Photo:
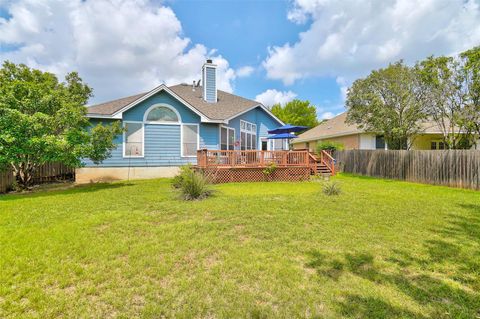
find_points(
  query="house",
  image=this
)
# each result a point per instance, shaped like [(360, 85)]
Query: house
[(165, 127), (353, 137)]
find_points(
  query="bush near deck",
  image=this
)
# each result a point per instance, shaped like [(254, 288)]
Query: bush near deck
[(260, 250)]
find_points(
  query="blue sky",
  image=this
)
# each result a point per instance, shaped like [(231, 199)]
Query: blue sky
[(242, 31), (273, 51)]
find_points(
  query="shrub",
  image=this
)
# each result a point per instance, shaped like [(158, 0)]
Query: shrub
[(331, 189), (195, 185), (269, 170), (329, 146), (178, 179)]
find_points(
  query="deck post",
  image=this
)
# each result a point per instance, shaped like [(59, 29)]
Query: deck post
[(202, 158)]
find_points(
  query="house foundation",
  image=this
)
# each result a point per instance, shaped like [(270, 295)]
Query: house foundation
[(107, 174)]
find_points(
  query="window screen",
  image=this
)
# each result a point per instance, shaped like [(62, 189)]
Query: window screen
[(227, 138), (190, 140), (379, 142), (162, 114), (133, 139)]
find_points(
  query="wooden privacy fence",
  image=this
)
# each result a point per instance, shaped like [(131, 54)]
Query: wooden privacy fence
[(46, 173), (456, 168)]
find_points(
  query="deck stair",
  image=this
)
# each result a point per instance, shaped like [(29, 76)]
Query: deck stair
[(322, 164)]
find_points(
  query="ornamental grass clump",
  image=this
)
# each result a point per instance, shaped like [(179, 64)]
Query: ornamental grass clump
[(192, 185), (331, 189), (195, 186), (178, 179)]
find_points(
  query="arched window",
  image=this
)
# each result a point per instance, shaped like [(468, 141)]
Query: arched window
[(162, 114)]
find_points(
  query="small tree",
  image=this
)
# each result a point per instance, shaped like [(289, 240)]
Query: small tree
[(297, 112), (388, 102), (471, 71), (445, 98), (43, 120)]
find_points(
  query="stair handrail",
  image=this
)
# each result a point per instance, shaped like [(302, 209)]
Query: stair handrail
[(312, 160), (328, 160)]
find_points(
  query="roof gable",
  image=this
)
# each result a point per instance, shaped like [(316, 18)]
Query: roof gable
[(227, 105)]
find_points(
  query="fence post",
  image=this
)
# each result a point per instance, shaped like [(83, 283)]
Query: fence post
[(455, 168)]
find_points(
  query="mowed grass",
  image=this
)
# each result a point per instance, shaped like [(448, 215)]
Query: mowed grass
[(381, 249)]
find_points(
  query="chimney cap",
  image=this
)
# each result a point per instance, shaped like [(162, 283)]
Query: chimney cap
[(209, 61)]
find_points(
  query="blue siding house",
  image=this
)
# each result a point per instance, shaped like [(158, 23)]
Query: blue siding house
[(165, 127)]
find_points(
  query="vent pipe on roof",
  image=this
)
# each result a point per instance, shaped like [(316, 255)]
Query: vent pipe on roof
[(209, 80)]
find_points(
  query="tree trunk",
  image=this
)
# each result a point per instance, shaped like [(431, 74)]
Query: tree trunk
[(23, 173)]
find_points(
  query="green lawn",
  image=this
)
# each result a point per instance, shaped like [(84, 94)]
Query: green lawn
[(258, 250)]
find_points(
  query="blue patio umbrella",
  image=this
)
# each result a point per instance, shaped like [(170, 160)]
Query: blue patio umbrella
[(282, 136), (287, 128)]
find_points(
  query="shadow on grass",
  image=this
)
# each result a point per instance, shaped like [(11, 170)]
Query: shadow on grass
[(367, 177), (73, 189), (371, 307), (444, 280)]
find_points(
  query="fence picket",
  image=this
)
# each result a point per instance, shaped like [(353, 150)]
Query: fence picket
[(49, 172), (456, 168)]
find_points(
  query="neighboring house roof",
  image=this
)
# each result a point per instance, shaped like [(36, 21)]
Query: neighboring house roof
[(430, 127), (337, 127), (331, 128), (227, 105)]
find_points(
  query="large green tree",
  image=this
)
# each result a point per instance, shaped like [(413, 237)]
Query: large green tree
[(388, 102), (297, 112), (470, 61), (43, 120), (445, 99)]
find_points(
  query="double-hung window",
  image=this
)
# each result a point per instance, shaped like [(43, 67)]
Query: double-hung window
[(437, 145), (133, 139), (189, 140), (248, 135), (227, 138)]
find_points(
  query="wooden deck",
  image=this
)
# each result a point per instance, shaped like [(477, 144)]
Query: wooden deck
[(241, 166)]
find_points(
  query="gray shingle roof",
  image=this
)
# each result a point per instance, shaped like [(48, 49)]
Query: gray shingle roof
[(108, 108), (228, 105), (336, 126)]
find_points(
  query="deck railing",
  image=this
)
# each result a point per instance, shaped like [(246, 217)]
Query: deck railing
[(327, 159), (252, 158)]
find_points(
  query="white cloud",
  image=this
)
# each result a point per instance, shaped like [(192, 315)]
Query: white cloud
[(272, 96), (343, 84), (244, 71), (347, 39), (326, 115), (119, 47)]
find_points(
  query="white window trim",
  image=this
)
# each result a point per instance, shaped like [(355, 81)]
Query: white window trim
[(181, 138), (437, 144), (251, 132), (145, 115), (143, 140), (220, 137), (247, 122)]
